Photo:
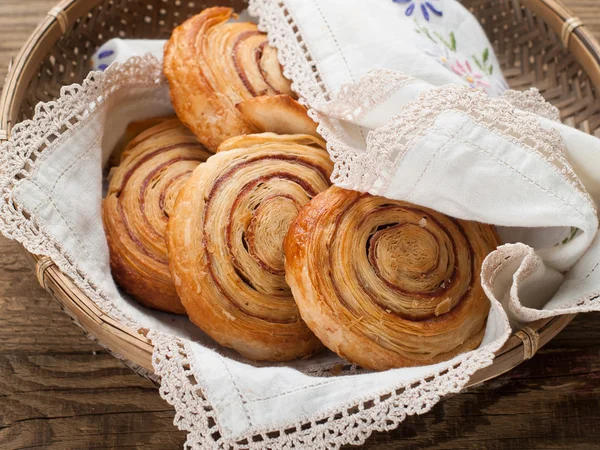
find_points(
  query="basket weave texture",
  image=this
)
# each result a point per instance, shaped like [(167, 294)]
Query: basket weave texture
[(538, 43)]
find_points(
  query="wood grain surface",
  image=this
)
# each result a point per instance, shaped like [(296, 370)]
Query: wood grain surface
[(59, 390)]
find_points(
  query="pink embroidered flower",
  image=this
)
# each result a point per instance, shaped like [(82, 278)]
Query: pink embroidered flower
[(464, 70)]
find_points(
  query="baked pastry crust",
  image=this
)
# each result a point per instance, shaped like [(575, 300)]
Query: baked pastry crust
[(225, 241), (279, 114), (141, 195), (212, 65), (133, 130), (386, 283)]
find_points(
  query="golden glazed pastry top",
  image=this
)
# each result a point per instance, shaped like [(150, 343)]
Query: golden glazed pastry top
[(212, 65), (141, 195), (386, 283), (225, 242)]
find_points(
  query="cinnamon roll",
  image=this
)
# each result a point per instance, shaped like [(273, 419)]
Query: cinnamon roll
[(133, 130), (387, 283), (225, 242), (212, 65), (141, 195)]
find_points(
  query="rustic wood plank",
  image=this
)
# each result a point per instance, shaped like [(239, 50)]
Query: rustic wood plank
[(588, 11), (58, 390), (52, 396), (17, 20), (24, 305)]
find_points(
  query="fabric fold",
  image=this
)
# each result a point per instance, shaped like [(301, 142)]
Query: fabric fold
[(459, 151), (433, 125)]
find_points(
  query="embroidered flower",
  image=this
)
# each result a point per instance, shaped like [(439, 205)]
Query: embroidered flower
[(426, 6), (464, 70), (439, 52)]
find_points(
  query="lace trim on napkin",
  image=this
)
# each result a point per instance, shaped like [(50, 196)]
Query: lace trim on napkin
[(532, 101), (29, 140), (351, 424), (387, 145), (356, 100), (294, 55), (283, 33), (363, 96), (529, 264), (172, 360)]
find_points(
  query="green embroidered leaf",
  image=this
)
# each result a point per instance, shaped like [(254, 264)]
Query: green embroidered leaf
[(491, 69), (571, 235), (424, 30), (452, 41), (486, 55), (451, 46), (478, 63)]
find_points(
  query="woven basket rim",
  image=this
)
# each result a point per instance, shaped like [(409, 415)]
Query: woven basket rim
[(134, 348)]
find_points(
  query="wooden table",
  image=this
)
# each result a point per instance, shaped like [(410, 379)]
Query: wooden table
[(58, 390)]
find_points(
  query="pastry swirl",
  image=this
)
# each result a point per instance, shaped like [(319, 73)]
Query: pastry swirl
[(141, 196), (386, 283), (212, 65), (225, 241)]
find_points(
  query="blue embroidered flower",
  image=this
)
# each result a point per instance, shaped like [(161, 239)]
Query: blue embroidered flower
[(426, 7)]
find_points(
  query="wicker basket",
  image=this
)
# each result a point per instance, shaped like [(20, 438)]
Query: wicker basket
[(538, 44)]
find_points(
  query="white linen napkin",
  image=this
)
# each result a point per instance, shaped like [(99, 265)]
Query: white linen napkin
[(391, 83), (120, 50), (396, 128)]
